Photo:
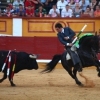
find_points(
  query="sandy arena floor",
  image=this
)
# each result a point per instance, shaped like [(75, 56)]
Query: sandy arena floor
[(58, 85)]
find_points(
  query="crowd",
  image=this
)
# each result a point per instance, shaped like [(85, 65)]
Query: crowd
[(52, 8)]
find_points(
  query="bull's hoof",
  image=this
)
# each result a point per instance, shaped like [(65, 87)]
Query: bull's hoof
[(13, 85)]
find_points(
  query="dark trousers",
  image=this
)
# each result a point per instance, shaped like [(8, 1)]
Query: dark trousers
[(75, 58)]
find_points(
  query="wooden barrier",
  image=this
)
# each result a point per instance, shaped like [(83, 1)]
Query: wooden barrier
[(46, 26), (6, 26)]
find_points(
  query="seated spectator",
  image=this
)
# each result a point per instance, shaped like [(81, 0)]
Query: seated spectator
[(88, 11), (8, 11), (93, 4), (84, 4), (45, 4), (61, 4), (97, 11), (16, 3), (77, 11), (20, 11), (72, 4), (54, 12), (31, 3), (30, 11), (40, 12), (67, 12)]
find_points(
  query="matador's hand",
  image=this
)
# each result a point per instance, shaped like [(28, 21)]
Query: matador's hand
[(70, 44), (66, 38)]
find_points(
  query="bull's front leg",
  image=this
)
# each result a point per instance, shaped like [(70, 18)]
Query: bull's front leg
[(11, 82), (4, 77)]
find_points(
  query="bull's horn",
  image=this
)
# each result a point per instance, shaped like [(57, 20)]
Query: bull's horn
[(33, 56)]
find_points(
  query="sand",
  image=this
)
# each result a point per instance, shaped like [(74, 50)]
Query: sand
[(57, 85)]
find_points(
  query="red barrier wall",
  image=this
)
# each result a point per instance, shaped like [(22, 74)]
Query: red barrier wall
[(45, 46)]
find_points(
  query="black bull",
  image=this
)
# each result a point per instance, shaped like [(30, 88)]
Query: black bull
[(22, 61)]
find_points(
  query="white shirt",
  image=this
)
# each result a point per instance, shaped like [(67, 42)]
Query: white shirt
[(62, 30), (61, 5), (53, 14), (66, 13)]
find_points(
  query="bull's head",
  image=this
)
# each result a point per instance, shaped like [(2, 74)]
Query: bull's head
[(34, 56)]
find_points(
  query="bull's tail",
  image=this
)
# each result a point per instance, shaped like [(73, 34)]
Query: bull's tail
[(51, 65)]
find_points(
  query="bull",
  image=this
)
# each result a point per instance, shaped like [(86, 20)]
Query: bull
[(12, 62)]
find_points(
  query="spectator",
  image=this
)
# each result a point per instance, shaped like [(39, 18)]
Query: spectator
[(61, 4), (93, 4), (88, 11), (72, 4), (54, 12), (84, 4), (31, 3), (8, 11), (16, 3), (20, 11), (77, 11), (97, 11), (30, 11), (45, 4), (40, 12), (10, 5), (67, 12)]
